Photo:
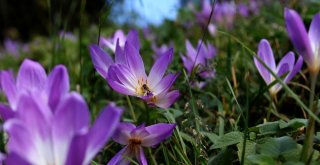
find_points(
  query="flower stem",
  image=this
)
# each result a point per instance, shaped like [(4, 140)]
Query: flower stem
[(131, 109), (307, 146)]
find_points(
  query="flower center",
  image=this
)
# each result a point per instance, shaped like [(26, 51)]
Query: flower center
[(143, 88), (134, 144)]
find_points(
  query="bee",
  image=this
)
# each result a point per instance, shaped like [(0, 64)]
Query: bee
[(146, 90)]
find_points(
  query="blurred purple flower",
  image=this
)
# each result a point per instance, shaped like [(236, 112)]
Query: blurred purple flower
[(39, 135), (212, 29), (286, 65), (224, 13), (68, 35), (111, 42), (135, 138), (32, 78), (11, 47), (158, 51), (307, 44), (204, 15), (102, 60), (191, 60), (243, 9)]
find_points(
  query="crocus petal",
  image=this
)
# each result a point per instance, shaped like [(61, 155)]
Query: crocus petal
[(120, 57), (57, 85), (266, 55), (298, 35), (187, 63), (122, 134), (9, 88), (100, 59), (158, 133), (135, 62), (286, 64), (116, 85), (34, 113), (31, 76), (295, 70), (102, 130), (121, 79), (6, 112), (314, 36), (141, 157), (159, 68), (23, 143), (133, 38), (77, 149), (139, 131), (120, 158), (191, 52), (167, 99), (165, 84), (72, 117), (13, 158)]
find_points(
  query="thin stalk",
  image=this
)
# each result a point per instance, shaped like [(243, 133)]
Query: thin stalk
[(308, 142), (83, 4), (131, 109), (152, 158)]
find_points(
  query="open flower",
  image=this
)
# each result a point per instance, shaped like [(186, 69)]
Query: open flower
[(119, 37), (38, 135), (32, 78), (129, 78), (307, 44), (286, 65), (102, 60), (135, 138), (191, 60)]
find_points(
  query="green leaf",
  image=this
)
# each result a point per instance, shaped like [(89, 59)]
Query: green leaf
[(228, 139), (294, 124), (212, 136), (261, 159), (249, 150), (268, 128)]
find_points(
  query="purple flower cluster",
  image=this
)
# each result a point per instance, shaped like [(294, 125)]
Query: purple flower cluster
[(306, 44), (199, 58), (127, 75)]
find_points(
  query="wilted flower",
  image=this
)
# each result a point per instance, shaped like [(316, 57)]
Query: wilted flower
[(102, 60), (112, 41), (192, 60), (135, 138), (32, 78), (286, 65), (41, 135), (307, 44)]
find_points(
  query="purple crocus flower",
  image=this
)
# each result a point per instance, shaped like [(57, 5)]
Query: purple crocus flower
[(307, 44), (191, 60), (112, 41), (286, 65), (102, 60), (135, 138), (39, 135), (128, 77), (224, 13), (204, 15), (127, 74), (32, 78), (243, 9)]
